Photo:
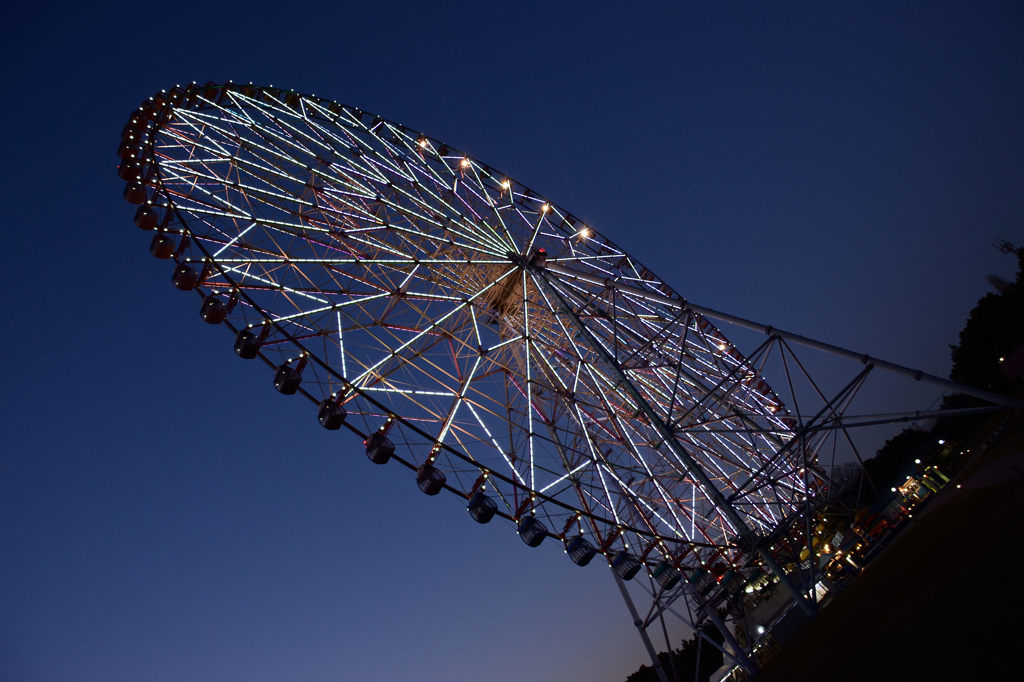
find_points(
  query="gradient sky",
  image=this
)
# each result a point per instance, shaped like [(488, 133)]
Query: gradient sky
[(166, 516)]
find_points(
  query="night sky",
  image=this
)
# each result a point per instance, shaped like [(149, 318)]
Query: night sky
[(165, 515)]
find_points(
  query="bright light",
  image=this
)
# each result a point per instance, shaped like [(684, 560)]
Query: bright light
[(958, 486), (1002, 359), (942, 442), (464, 163), (892, 489), (917, 461), (760, 629), (422, 142), (722, 346), (545, 208), (586, 232), (505, 184)]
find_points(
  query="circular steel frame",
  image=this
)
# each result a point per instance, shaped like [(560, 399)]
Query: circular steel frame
[(503, 346)]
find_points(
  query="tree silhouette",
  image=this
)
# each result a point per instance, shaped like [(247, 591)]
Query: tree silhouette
[(684, 660), (994, 330)]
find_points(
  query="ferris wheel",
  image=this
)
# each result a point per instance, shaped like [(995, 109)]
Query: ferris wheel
[(464, 326)]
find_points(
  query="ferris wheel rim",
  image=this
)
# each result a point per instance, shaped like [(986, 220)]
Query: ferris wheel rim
[(297, 343)]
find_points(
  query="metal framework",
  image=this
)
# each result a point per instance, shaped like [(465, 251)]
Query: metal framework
[(507, 351)]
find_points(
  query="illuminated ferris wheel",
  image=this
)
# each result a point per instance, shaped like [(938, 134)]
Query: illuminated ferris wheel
[(463, 325)]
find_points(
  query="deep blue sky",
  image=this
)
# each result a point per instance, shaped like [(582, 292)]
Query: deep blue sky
[(164, 515)]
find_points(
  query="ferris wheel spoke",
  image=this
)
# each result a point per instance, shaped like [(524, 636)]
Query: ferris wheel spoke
[(301, 137), (263, 158), (637, 450), (190, 185), (479, 241), (279, 153), (636, 503), (458, 228), (502, 453), (392, 161), (490, 206), (275, 133), (395, 354), (630, 493), (400, 145), (458, 402), (192, 130), (272, 193), (487, 207)]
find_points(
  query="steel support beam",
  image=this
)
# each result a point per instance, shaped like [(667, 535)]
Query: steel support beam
[(640, 627), (679, 303)]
